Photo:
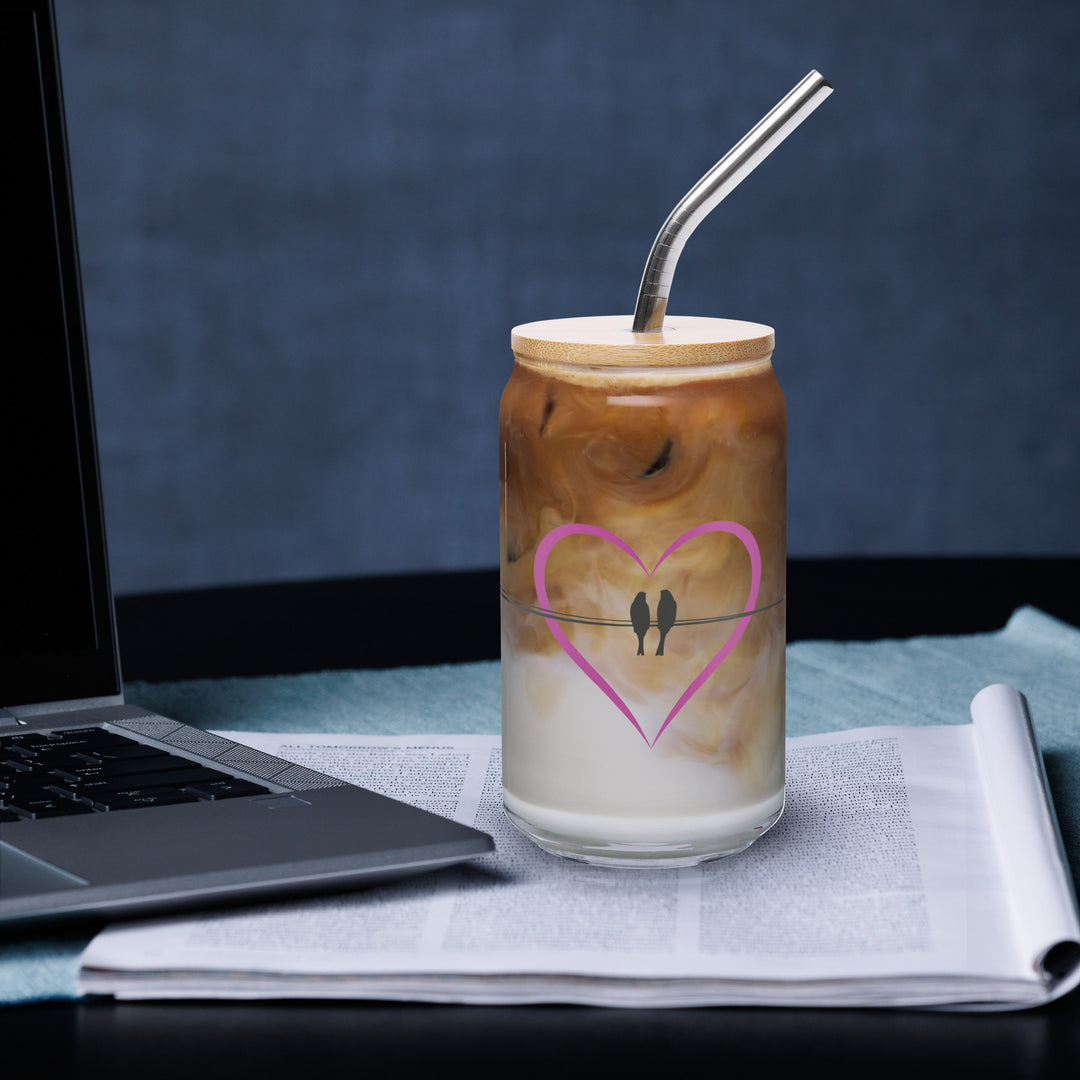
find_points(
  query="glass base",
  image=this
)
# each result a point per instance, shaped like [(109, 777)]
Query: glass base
[(643, 855)]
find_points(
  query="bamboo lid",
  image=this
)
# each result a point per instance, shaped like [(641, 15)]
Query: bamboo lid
[(609, 341)]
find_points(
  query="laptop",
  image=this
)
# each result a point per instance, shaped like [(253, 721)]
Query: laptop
[(108, 810)]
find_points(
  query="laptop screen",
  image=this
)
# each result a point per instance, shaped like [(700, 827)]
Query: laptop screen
[(56, 632)]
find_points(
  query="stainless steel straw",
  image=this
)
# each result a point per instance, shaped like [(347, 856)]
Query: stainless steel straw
[(730, 171)]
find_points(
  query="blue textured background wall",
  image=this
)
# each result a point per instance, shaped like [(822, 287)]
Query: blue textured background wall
[(307, 229)]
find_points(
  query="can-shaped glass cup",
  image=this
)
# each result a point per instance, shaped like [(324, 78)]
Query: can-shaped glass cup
[(643, 559)]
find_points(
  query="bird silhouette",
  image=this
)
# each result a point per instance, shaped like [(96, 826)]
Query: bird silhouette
[(640, 619), (665, 617)]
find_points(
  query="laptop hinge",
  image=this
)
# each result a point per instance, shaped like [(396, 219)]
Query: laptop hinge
[(70, 705)]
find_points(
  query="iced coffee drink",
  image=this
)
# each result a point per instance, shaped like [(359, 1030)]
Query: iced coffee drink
[(643, 581)]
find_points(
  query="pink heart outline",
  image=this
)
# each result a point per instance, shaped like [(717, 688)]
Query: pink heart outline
[(560, 532)]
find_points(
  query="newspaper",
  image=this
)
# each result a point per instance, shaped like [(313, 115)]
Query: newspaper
[(912, 866)]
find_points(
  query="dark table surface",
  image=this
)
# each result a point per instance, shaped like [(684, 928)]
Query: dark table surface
[(374, 622), (270, 629)]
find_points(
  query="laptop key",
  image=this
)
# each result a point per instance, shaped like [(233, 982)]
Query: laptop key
[(44, 807), (12, 765), (79, 768), (13, 752), (229, 787), (141, 797), (31, 776), (121, 753), (87, 736), (27, 743), (19, 793)]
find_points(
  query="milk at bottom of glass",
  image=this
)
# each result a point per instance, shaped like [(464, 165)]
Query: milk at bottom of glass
[(576, 773)]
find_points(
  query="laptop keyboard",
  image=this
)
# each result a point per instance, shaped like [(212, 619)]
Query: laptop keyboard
[(91, 770)]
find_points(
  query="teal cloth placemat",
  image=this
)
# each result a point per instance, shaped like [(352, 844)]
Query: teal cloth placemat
[(831, 686)]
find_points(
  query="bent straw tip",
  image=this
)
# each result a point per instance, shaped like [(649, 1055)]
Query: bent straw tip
[(702, 199)]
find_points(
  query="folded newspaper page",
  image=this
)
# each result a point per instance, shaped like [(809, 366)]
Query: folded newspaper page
[(912, 866)]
